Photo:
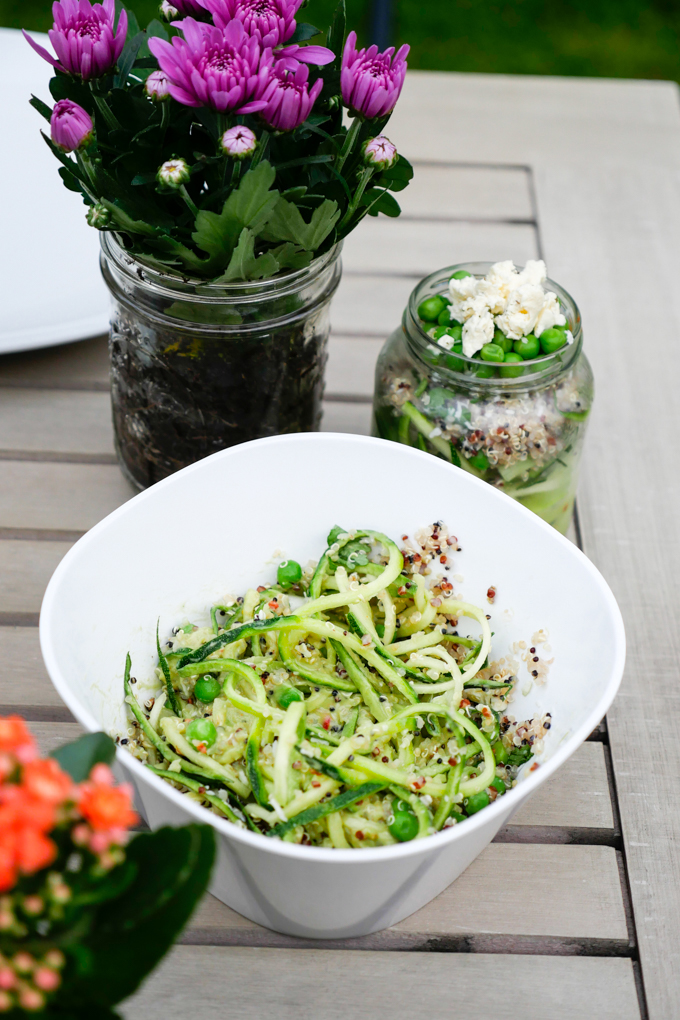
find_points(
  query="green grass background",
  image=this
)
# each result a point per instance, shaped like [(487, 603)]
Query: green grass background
[(612, 38)]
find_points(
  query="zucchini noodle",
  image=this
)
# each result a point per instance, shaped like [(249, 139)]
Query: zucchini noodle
[(356, 717)]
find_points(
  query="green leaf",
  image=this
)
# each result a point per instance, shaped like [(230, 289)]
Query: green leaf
[(336, 33), (127, 58), (69, 180), (126, 222), (41, 107), (397, 177), (243, 264), (80, 757), (292, 256), (131, 934), (287, 224), (250, 206), (70, 164), (303, 32), (381, 202)]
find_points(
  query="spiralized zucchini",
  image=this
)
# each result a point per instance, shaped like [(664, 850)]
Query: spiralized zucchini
[(342, 710)]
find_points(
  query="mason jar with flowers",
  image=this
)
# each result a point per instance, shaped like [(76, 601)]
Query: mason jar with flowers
[(214, 156)]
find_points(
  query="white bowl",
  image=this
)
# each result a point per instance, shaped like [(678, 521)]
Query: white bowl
[(212, 529)]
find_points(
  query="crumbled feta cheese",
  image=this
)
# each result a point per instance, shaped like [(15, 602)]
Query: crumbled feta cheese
[(477, 331), (549, 315)]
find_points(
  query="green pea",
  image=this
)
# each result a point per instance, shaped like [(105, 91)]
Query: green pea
[(527, 347), (512, 367), (480, 461), (476, 802), (285, 696), (460, 274), (491, 352), (552, 340), (431, 308), (499, 785), (207, 688), (202, 730), (405, 824), (456, 331), (500, 752), (486, 372), (289, 573), (441, 331), (503, 341), (453, 813), (444, 319), (452, 362)]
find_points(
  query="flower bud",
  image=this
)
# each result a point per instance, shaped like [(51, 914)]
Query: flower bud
[(98, 216), (31, 999), (54, 958), (173, 173), (379, 153), (47, 980), (33, 905), (238, 142), (167, 11), (71, 126), (157, 87), (6, 1002)]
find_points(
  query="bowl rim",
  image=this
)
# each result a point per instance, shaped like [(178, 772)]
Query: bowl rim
[(502, 806)]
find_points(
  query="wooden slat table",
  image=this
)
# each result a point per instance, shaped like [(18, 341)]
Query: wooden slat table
[(573, 910)]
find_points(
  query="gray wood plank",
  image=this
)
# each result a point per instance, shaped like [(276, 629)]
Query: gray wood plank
[(351, 365), (549, 897), (25, 686), (256, 983), (81, 365), (346, 417), (445, 190), (50, 736), (25, 569), (62, 421), (59, 496), (579, 790), (411, 246)]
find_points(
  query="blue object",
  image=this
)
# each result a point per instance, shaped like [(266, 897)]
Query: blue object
[(381, 23)]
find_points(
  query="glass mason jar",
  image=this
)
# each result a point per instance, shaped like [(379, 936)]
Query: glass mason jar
[(197, 367), (524, 434)]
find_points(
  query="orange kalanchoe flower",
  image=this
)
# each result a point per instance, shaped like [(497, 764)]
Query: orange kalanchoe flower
[(16, 744), (105, 806), (45, 780)]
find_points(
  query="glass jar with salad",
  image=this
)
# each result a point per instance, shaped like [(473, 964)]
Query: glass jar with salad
[(487, 371)]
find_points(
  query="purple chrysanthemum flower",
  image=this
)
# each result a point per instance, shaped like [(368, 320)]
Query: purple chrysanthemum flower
[(372, 81), (239, 142), (71, 127), (292, 100), (225, 70), (84, 38), (273, 23), (189, 8), (157, 86), (380, 153)]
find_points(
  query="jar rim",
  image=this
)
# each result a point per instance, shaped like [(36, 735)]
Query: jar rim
[(547, 365), (195, 289)]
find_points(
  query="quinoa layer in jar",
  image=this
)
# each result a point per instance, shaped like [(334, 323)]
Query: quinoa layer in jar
[(515, 420)]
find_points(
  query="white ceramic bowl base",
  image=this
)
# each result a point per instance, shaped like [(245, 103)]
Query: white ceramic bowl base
[(212, 529)]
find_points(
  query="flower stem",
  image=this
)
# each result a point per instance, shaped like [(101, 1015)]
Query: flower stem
[(188, 199), (358, 195), (260, 151), (354, 130), (106, 112), (86, 164), (165, 116)]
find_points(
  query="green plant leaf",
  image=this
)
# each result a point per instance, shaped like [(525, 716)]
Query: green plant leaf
[(126, 222), (69, 180), (397, 177), (131, 934), (287, 224), (250, 205), (292, 256), (70, 164), (79, 757), (128, 57), (42, 108), (244, 265), (303, 32), (381, 202), (336, 33)]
